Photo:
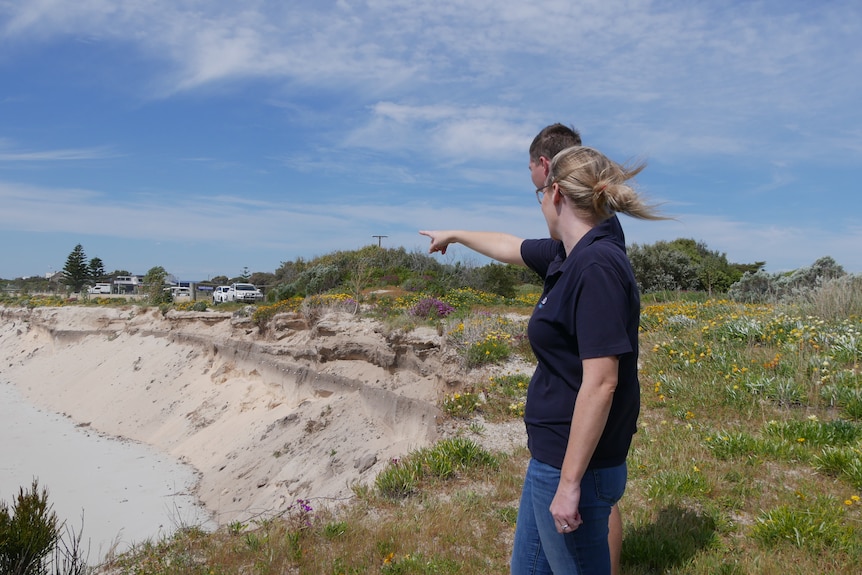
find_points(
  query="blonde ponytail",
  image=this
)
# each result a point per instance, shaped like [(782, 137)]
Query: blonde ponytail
[(598, 186)]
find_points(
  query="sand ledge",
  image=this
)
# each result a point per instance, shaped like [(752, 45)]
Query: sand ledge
[(301, 411)]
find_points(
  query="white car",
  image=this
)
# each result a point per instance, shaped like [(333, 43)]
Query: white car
[(220, 294), (178, 293), (243, 292), (181, 293)]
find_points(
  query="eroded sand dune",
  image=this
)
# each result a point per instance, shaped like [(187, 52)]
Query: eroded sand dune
[(299, 411)]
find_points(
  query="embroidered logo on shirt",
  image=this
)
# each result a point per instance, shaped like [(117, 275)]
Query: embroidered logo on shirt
[(543, 302)]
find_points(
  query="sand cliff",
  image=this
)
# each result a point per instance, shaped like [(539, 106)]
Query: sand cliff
[(298, 411)]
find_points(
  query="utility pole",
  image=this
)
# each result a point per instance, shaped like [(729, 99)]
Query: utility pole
[(379, 239)]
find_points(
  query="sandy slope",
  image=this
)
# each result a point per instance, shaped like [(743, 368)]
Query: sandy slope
[(297, 412)]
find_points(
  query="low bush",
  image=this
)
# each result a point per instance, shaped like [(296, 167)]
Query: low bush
[(30, 542)]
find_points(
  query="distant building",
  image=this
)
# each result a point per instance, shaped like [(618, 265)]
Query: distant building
[(128, 284)]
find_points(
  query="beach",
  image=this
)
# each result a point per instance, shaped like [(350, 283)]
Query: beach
[(113, 492), (297, 410)]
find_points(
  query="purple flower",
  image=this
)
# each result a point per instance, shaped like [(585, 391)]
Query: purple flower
[(431, 307)]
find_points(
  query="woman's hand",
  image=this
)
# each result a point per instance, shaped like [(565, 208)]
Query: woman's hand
[(564, 507), (504, 248), (440, 240)]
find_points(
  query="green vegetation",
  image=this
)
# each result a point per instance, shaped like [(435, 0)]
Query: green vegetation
[(30, 538), (76, 273), (442, 462), (684, 264), (748, 456), (748, 459)]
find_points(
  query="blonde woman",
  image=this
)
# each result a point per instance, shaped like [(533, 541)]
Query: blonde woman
[(584, 397)]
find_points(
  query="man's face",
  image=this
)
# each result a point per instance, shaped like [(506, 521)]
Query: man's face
[(539, 171)]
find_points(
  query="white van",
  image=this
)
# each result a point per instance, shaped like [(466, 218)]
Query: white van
[(99, 288)]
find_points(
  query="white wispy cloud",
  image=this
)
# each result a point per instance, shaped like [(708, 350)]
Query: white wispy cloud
[(451, 134), (10, 154), (695, 65)]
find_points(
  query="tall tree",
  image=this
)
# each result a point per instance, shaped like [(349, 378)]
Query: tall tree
[(683, 264), (76, 272), (97, 269)]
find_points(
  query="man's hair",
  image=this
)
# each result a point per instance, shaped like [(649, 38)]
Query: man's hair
[(552, 140)]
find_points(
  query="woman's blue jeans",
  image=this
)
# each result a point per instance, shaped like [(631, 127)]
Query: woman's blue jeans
[(539, 549)]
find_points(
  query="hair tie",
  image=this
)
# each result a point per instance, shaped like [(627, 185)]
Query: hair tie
[(601, 187)]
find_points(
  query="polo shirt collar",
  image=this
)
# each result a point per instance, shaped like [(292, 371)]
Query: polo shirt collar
[(561, 262)]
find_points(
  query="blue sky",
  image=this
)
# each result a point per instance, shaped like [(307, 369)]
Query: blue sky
[(211, 136)]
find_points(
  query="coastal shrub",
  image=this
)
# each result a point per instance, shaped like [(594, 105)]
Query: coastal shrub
[(799, 285), (660, 267), (314, 307), (835, 299), (418, 284), (154, 282), (264, 313), (317, 279), (683, 264), (431, 308), (464, 298), (29, 534), (499, 279)]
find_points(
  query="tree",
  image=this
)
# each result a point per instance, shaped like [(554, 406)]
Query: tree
[(498, 279), (684, 264), (711, 274), (289, 271), (713, 270), (154, 285), (748, 268), (97, 269), (660, 267), (262, 279), (76, 272)]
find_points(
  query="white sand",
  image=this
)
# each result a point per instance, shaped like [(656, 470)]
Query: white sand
[(297, 412), (113, 492)]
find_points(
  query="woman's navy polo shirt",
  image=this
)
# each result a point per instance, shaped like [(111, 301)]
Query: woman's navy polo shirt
[(589, 308)]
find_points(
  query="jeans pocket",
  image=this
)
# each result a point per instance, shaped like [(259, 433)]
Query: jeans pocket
[(610, 483)]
